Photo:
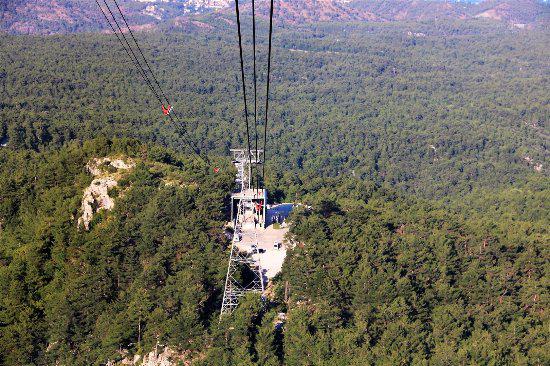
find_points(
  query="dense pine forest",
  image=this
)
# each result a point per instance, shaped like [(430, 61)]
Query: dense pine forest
[(418, 153), (443, 110)]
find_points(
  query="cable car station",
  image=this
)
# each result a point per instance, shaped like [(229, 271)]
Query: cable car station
[(257, 246)]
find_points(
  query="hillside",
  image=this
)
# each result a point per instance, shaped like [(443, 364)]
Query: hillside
[(308, 11), (528, 12), (380, 280), (520, 13), (67, 16), (48, 16), (411, 10), (460, 282), (432, 109), (150, 265)]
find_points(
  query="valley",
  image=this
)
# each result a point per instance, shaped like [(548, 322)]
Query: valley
[(472, 93), (396, 215)]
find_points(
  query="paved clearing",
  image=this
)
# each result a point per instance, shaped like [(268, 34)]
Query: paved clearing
[(271, 259)]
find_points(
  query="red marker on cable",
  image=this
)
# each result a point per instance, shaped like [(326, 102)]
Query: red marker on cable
[(166, 111)]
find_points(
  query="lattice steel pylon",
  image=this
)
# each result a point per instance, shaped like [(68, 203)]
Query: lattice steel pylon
[(246, 200), (234, 289), (243, 162)]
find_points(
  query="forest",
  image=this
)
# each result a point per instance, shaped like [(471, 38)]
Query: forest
[(154, 263), (376, 277), (421, 237), (438, 112)]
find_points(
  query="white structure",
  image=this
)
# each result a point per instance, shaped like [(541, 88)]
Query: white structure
[(247, 212), (253, 248)]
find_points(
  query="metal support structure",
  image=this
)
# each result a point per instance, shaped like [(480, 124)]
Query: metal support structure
[(243, 162), (244, 209), (245, 192), (234, 289)]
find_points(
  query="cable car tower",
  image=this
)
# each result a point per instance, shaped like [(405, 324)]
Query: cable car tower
[(244, 273), (248, 204), (246, 196)]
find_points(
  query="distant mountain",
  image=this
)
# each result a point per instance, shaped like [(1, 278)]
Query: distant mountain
[(300, 11), (48, 16), (66, 16), (526, 12), (513, 11), (398, 10), (510, 11)]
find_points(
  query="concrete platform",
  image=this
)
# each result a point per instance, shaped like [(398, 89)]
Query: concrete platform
[(250, 194), (271, 259)]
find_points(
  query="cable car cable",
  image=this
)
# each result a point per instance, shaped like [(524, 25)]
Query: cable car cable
[(243, 80), (180, 124), (136, 62), (189, 142), (133, 59), (267, 91), (141, 52), (255, 91), (144, 74), (178, 119)]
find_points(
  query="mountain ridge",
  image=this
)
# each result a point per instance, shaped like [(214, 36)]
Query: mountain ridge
[(70, 16)]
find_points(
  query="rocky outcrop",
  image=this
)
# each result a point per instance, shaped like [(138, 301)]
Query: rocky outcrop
[(107, 171), (536, 166), (166, 356), (162, 359)]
